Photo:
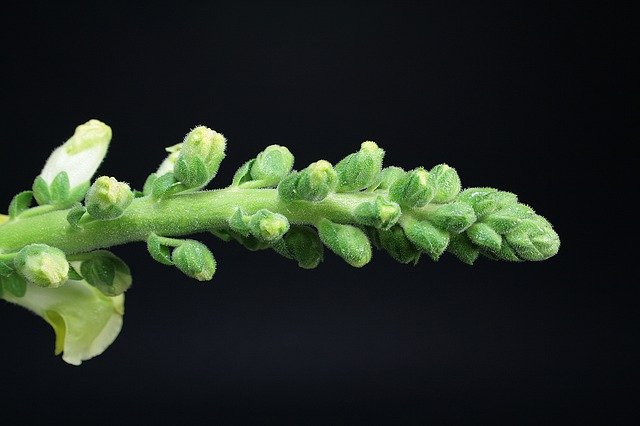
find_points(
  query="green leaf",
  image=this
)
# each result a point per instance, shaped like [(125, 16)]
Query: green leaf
[(41, 191), (20, 203), (106, 272), (73, 274), (77, 194), (5, 269), (147, 188), (60, 189), (159, 251), (242, 175), (75, 214), (14, 284), (239, 222), (162, 184)]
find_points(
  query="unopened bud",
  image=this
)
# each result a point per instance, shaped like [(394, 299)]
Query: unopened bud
[(413, 189), (272, 165), (359, 170), (195, 260), (426, 237), (484, 236), (380, 213), (108, 198), (200, 156), (347, 241), (268, 226), (454, 217), (303, 245), (43, 265), (446, 182), (396, 243), (314, 183)]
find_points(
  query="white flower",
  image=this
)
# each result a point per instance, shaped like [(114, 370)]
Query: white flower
[(85, 321), (169, 163), (81, 155)]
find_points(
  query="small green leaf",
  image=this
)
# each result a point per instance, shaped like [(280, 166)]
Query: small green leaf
[(162, 184), (147, 188), (60, 189), (41, 191), (73, 274), (159, 251), (242, 175), (191, 171), (5, 269), (75, 214), (20, 203), (14, 284), (239, 222), (106, 272), (77, 194)]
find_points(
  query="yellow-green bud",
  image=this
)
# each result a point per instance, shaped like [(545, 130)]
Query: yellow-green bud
[(314, 183), (454, 217), (347, 241), (200, 156), (379, 213), (445, 181), (43, 265), (303, 245), (272, 165), (108, 198), (268, 226), (388, 176), (361, 169), (195, 260), (413, 189)]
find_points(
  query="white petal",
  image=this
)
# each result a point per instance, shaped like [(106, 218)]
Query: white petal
[(168, 164), (85, 321), (81, 155)]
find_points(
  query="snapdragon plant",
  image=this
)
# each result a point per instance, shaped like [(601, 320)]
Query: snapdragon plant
[(54, 241)]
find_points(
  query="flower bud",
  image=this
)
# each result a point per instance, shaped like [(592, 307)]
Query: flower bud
[(454, 217), (359, 170), (463, 248), (388, 176), (413, 189), (379, 213), (195, 260), (268, 226), (427, 237), (169, 163), (108, 198), (303, 245), (446, 182), (505, 219), (272, 165), (347, 241), (80, 156), (43, 265), (534, 239), (487, 200), (200, 156), (396, 243), (484, 236), (311, 184)]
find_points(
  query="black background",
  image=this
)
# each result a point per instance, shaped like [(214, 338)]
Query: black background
[(531, 98)]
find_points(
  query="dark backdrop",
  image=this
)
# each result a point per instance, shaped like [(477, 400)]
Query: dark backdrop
[(529, 98)]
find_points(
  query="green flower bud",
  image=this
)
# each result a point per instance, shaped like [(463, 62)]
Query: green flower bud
[(388, 176), (347, 241), (311, 184), (239, 222), (195, 260), (534, 239), (427, 237), (487, 200), (454, 217), (106, 272), (43, 265), (268, 226), (484, 236), (359, 170), (413, 189), (200, 156), (508, 217), (396, 243), (303, 245), (463, 248), (446, 182), (379, 213), (272, 165), (108, 198)]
